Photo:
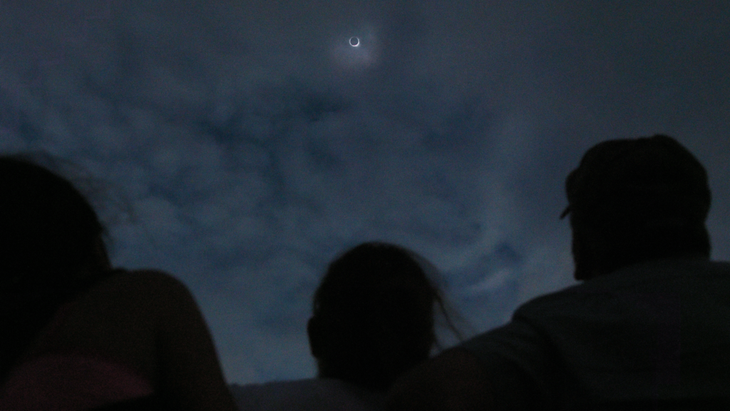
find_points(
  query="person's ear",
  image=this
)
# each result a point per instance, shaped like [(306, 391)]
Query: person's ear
[(579, 258), (314, 333), (584, 257)]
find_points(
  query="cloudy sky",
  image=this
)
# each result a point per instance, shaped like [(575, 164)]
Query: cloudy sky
[(241, 145)]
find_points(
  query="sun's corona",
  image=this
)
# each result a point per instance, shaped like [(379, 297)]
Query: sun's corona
[(357, 50)]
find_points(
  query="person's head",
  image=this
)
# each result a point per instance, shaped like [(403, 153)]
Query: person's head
[(373, 315), (47, 228), (51, 248), (635, 200)]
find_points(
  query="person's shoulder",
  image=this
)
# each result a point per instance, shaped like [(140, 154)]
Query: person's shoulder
[(143, 282), (277, 388), (672, 266), (274, 395), (708, 266), (645, 276), (552, 300), (147, 291), (145, 278), (306, 394)]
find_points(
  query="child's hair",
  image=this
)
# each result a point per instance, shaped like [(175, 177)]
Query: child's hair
[(374, 315)]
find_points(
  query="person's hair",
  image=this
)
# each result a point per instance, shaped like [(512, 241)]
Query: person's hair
[(635, 200), (48, 230), (373, 315)]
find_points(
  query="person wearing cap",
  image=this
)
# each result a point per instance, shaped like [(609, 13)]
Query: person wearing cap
[(648, 327)]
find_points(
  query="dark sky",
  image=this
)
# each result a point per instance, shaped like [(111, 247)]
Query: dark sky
[(241, 145)]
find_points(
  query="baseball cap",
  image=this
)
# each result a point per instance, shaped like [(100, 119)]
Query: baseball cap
[(648, 180)]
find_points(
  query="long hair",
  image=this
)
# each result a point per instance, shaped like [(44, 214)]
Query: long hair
[(48, 230), (374, 309)]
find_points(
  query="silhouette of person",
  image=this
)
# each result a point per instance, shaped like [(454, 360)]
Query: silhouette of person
[(649, 326), (77, 334), (373, 319)]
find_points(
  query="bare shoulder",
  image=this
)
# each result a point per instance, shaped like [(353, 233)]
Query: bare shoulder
[(148, 290), (145, 280), (119, 319)]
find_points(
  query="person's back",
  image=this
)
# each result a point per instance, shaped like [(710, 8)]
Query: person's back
[(650, 333), (649, 328), (372, 321), (78, 334)]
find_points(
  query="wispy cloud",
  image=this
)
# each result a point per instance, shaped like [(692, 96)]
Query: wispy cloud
[(253, 144)]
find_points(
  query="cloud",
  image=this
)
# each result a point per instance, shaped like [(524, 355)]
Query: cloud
[(249, 156)]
